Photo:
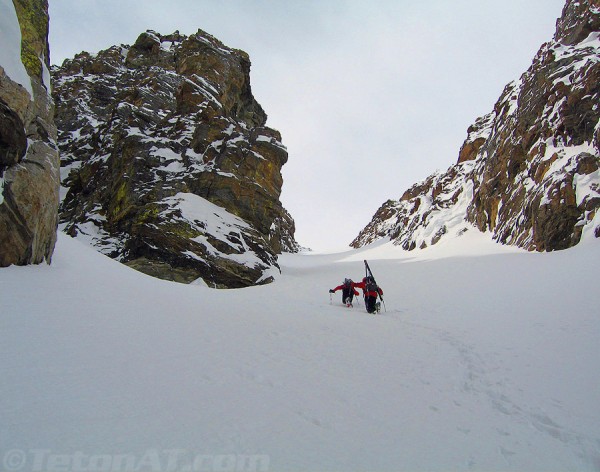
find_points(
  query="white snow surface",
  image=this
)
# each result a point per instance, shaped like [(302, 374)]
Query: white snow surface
[(486, 358), (10, 51)]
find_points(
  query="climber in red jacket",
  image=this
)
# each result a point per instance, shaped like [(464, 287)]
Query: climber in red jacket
[(370, 293), (348, 291)]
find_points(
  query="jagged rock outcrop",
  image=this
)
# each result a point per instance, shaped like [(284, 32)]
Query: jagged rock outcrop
[(167, 162), (529, 171), (29, 163)]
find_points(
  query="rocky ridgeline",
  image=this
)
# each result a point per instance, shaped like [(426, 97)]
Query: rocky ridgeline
[(29, 164), (529, 171), (167, 164)]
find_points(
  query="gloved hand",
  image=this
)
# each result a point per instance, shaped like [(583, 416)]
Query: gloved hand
[(331, 290)]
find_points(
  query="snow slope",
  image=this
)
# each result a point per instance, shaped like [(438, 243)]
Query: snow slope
[(486, 359)]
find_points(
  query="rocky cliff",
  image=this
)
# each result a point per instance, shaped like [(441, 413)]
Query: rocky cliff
[(167, 163), (29, 164), (528, 172)]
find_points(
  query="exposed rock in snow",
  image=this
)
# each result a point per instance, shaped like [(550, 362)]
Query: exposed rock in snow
[(141, 126), (29, 164), (529, 171)]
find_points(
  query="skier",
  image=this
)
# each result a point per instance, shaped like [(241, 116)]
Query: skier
[(370, 293), (348, 291)]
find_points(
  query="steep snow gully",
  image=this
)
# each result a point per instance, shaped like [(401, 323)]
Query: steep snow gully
[(486, 359)]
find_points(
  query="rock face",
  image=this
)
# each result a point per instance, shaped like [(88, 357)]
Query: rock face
[(167, 164), (528, 171), (29, 163)]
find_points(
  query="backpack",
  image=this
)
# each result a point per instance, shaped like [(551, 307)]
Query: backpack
[(370, 285)]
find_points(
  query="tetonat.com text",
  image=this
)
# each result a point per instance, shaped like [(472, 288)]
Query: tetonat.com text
[(151, 460)]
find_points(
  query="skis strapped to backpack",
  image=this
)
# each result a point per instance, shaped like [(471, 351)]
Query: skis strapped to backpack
[(368, 273), (370, 277)]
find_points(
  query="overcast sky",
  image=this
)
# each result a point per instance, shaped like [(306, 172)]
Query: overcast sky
[(370, 96)]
